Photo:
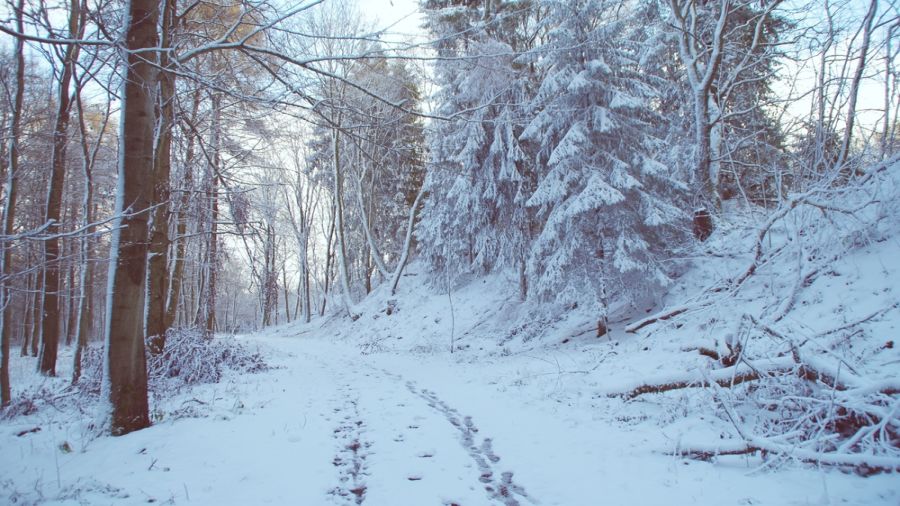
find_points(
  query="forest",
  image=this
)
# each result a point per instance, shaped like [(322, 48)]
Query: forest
[(178, 171)]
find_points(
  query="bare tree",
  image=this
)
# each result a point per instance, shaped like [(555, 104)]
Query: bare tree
[(125, 362), (9, 206), (855, 82), (703, 32), (158, 278), (52, 315)]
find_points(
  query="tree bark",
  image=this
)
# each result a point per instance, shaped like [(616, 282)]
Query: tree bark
[(854, 85), (86, 296), (52, 314), (329, 265), (407, 243), (126, 370), (339, 222), (701, 75), (177, 278), (287, 307), (213, 244), (71, 312), (28, 324), (37, 311), (9, 208), (158, 277)]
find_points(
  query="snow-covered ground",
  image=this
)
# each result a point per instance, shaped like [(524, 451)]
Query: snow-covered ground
[(527, 409), (332, 426)]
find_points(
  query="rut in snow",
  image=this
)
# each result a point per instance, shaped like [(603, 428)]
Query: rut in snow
[(353, 450), (501, 489)]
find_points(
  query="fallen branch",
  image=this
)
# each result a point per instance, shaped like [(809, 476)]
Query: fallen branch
[(752, 371), (665, 315), (725, 377), (860, 321), (811, 369), (28, 431), (863, 463), (706, 352), (866, 464)]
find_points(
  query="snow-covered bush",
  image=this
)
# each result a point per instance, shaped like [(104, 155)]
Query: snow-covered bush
[(188, 359)]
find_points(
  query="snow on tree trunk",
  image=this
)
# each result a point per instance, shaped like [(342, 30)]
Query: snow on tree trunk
[(52, 311), (125, 378), (158, 278), (9, 207), (343, 273)]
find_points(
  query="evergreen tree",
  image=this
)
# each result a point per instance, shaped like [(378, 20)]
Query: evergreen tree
[(611, 209), (479, 176)]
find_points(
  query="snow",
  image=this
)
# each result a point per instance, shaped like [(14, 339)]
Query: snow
[(422, 422), (526, 410), (408, 423)]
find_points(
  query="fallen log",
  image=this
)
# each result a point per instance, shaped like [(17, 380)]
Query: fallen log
[(662, 316), (725, 377), (864, 464), (28, 431), (751, 371)]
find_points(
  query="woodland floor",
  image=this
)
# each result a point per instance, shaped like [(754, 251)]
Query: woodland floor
[(328, 425)]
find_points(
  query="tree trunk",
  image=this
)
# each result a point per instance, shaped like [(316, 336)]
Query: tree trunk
[(854, 85), (37, 311), (177, 278), (329, 265), (339, 222), (9, 209), (86, 295), (287, 307), (71, 312), (28, 331), (307, 303), (888, 72), (366, 220), (269, 281), (126, 370), (158, 277), (52, 314), (407, 244), (703, 168), (603, 320), (213, 244)]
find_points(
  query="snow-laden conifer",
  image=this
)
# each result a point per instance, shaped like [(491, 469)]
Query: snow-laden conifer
[(610, 207), (479, 176)]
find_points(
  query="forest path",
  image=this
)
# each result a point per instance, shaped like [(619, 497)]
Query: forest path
[(324, 426), (395, 442), (330, 426)]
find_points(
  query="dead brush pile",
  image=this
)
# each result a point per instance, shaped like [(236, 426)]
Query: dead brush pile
[(799, 335)]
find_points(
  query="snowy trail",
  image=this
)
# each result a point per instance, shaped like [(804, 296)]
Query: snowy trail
[(397, 443), (329, 426)]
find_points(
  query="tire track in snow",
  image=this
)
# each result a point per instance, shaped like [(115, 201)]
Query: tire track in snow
[(353, 449), (501, 489)]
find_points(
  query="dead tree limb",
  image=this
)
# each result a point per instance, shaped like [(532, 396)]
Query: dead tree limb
[(866, 464), (662, 316), (725, 377)]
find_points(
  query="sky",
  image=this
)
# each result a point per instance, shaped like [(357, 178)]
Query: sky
[(402, 16)]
